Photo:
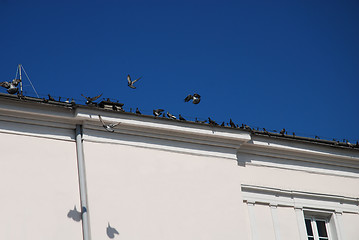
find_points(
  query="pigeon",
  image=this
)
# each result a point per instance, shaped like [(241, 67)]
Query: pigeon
[(170, 116), (67, 100), (130, 83), (11, 86), (157, 112), (232, 123), (138, 111), (247, 127), (91, 99), (222, 125), (316, 137), (108, 127), (212, 122), (293, 134), (110, 231), (51, 98), (196, 98), (181, 118), (282, 132)]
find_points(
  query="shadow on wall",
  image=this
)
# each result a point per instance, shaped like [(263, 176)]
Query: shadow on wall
[(110, 231), (74, 214)]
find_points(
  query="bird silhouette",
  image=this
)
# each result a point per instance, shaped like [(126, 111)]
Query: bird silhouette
[(91, 99), (170, 116), (212, 122), (222, 125), (138, 111), (282, 132), (181, 118), (51, 98), (108, 127), (110, 231), (157, 112), (11, 86), (196, 98), (130, 83)]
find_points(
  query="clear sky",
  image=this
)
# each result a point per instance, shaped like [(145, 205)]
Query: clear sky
[(271, 64)]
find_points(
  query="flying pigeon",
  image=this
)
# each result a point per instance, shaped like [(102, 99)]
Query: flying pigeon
[(11, 86), (108, 127), (138, 111), (130, 83), (91, 99), (110, 231), (181, 118), (232, 123), (170, 116), (196, 98), (157, 112), (282, 132)]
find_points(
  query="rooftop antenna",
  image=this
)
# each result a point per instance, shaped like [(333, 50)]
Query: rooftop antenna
[(19, 67)]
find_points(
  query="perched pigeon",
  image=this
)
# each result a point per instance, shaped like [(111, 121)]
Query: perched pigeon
[(181, 118), (170, 116), (110, 231), (130, 83), (282, 132), (196, 98), (91, 99), (212, 122), (157, 112), (67, 100), (11, 86), (138, 111), (51, 98), (108, 127), (222, 125), (232, 123)]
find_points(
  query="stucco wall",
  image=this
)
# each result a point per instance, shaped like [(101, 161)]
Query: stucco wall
[(38, 186), (152, 194)]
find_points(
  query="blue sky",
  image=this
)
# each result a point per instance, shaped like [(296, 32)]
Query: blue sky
[(272, 64)]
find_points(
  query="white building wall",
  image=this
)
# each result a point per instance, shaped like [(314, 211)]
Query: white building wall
[(151, 194), (158, 179), (38, 186)]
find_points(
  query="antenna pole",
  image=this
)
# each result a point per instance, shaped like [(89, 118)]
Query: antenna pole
[(20, 79)]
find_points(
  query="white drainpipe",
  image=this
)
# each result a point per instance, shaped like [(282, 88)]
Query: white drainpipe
[(82, 184)]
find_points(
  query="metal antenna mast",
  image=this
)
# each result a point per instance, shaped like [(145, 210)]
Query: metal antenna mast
[(20, 79)]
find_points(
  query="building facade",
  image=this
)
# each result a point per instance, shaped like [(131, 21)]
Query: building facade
[(63, 176)]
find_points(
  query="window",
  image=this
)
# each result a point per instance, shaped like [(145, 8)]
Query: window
[(317, 228)]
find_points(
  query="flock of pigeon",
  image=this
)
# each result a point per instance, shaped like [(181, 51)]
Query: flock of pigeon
[(195, 98)]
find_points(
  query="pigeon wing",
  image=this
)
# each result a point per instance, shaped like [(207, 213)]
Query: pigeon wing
[(95, 98), (112, 125), (103, 123), (188, 98), (87, 98), (196, 95), (5, 84), (129, 79), (136, 80)]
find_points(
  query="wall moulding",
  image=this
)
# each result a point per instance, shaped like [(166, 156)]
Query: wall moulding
[(299, 199)]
